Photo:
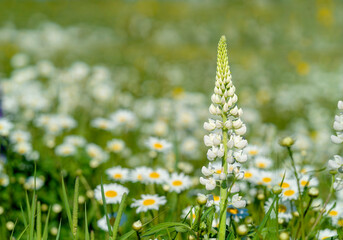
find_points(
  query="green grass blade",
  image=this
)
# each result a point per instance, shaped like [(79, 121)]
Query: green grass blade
[(76, 206), (15, 224), (264, 220), (59, 231), (66, 205), (33, 208), (39, 221), (46, 226), (120, 212), (127, 235), (22, 233), (86, 224)]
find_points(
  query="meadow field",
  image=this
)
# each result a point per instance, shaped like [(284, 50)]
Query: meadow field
[(171, 120)]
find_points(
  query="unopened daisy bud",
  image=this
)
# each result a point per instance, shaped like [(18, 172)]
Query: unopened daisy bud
[(296, 214), (44, 207), (137, 226), (287, 142), (191, 237), (56, 208), (248, 220), (242, 229), (78, 172), (280, 220), (313, 192), (10, 225), (54, 231), (1, 210), (81, 199), (261, 196), (166, 187), (90, 194), (277, 189), (284, 236), (201, 199)]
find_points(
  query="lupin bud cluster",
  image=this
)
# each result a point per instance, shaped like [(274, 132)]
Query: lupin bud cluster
[(226, 118), (338, 125)]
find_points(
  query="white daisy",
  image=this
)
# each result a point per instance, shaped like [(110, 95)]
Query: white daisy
[(137, 174), (263, 162), (5, 127), (113, 193), (30, 183), (124, 118), (19, 136), (307, 181), (4, 180), (96, 152), (179, 182), (290, 193), (265, 178), (65, 150), (102, 123), (118, 174), (158, 176), (284, 212), (326, 233), (115, 145), (75, 140), (23, 148), (149, 202), (158, 145)]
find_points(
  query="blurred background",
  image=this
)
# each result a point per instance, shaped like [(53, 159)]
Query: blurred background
[(284, 55)]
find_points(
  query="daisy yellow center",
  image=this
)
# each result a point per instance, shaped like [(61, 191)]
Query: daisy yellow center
[(285, 185), (247, 174), (66, 150), (218, 171), (266, 179), (116, 147), (158, 145), (121, 119), (21, 150), (282, 208), (304, 183), (261, 165), (253, 152), (148, 202), (177, 183), (92, 153), (194, 215), (233, 210), (103, 125), (333, 213), (111, 194), (303, 171), (340, 222), (216, 198), (117, 176), (289, 193), (139, 177), (1, 127), (154, 175)]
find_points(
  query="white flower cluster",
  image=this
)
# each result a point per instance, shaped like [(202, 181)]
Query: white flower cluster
[(228, 126), (338, 126)]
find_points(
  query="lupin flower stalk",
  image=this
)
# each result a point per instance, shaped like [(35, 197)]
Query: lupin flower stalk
[(338, 125), (225, 138)]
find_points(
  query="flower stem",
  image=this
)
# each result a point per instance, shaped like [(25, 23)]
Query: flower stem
[(223, 189), (299, 190)]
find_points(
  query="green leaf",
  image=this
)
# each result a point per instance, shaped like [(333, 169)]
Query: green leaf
[(59, 231), (45, 231), (127, 235), (163, 226), (264, 220), (66, 205), (120, 212)]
